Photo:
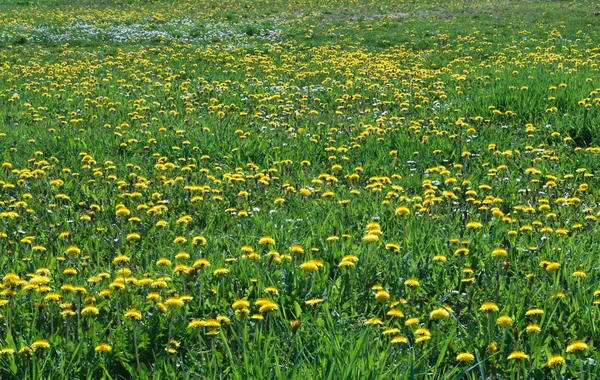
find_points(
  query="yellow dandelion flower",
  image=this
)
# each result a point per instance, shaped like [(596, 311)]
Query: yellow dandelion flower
[(577, 346), (220, 271), (551, 267), (465, 357), (374, 321), (499, 252), (402, 211), (556, 361), (399, 339), (174, 302), (179, 240), (395, 313), (462, 251), (123, 212), (392, 247), (182, 269), (73, 250), (70, 272), (201, 264), (370, 238), (6, 351), (382, 296), (182, 256), (48, 297), (222, 319), (120, 259), (268, 306), (534, 312), (26, 350), (43, 344), (504, 321), (311, 265), (133, 314), (103, 347), (271, 290), (579, 274), (240, 304), (89, 311), (212, 323), (296, 248), (489, 307), (518, 355), (439, 313), (346, 263), (313, 301), (163, 262), (266, 240), (199, 240), (473, 225)]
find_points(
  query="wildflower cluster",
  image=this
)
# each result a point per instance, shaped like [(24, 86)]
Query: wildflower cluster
[(183, 193)]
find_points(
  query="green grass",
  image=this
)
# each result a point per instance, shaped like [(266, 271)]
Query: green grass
[(306, 122)]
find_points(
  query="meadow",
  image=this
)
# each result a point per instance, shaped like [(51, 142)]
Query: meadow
[(345, 189)]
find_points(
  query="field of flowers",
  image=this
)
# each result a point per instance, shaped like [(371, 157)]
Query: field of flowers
[(346, 189)]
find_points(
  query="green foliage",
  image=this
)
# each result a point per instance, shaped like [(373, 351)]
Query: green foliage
[(406, 158)]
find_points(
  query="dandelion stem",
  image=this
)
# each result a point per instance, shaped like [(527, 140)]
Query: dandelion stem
[(170, 328), (137, 354)]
